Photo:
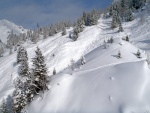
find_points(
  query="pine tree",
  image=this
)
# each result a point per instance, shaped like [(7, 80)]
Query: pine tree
[(64, 31), (89, 19), (94, 18), (40, 71), (24, 68), (75, 34), (54, 71), (119, 54), (120, 26), (19, 96), (122, 8), (1, 49), (127, 38), (114, 23), (129, 15), (35, 36), (29, 90), (105, 44), (111, 10), (80, 25), (111, 40), (83, 60), (84, 17), (138, 54), (72, 64), (21, 54), (4, 108)]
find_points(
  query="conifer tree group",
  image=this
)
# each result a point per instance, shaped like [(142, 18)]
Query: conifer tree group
[(29, 83)]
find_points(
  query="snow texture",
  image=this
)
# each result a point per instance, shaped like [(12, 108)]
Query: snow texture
[(105, 84)]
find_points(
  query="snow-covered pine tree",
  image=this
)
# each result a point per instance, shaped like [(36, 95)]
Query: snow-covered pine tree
[(129, 15), (88, 19), (72, 64), (120, 25), (119, 54), (40, 71), (111, 40), (21, 54), (29, 90), (4, 108), (24, 68), (122, 9), (127, 38), (94, 18), (105, 45), (80, 25), (84, 17), (138, 54), (111, 10), (54, 71), (138, 3), (51, 30), (19, 96), (35, 36), (75, 34), (114, 23), (83, 61), (64, 31), (10, 50), (1, 49)]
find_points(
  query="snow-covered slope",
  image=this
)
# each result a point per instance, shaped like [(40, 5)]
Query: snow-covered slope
[(103, 81), (6, 27), (104, 84)]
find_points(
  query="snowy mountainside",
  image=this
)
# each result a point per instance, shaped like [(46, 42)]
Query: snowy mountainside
[(103, 81), (6, 27), (122, 84), (104, 84)]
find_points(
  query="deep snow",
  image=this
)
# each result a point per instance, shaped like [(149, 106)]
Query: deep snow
[(105, 84)]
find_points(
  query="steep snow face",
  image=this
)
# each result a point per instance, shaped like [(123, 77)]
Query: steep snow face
[(6, 27)]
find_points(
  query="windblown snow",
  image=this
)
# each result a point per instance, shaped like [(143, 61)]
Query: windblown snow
[(105, 84)]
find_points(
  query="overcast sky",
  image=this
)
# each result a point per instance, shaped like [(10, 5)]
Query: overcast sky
[(28, 12)]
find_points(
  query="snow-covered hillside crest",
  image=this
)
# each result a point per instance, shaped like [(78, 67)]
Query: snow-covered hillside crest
[(6, 27)]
